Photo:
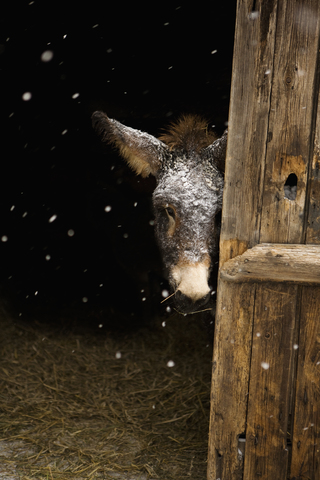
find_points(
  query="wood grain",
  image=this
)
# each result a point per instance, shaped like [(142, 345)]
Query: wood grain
[(306, 430), (230, 377), (313, 198), (266, 454), (273, 262), (248, 126), (291, 120)]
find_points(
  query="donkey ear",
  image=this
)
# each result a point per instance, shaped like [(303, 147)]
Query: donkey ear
[(216, 152), (143, 152)]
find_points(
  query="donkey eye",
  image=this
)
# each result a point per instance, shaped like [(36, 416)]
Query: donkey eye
[(171, 216), (170, 212)]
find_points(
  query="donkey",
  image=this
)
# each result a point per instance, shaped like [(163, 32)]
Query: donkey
[(188, 163)]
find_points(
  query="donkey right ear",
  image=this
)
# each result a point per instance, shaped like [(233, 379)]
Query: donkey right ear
[(216, 152), (143, 152)]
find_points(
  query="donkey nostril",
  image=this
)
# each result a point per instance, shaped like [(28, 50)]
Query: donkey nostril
[(186, 302), (182, 299)]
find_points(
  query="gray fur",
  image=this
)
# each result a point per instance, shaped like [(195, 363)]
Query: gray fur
[(188, 194)]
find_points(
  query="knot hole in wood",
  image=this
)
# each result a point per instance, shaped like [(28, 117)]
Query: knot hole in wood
[(290, 187)]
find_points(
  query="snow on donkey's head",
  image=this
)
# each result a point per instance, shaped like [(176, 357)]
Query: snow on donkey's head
[(187, 163)]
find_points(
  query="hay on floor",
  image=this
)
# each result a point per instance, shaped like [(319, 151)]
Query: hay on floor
[(83, 403)]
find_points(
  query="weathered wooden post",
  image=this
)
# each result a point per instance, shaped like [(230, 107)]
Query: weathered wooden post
[(266, 364)]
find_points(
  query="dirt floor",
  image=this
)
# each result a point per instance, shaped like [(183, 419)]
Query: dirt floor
[(82, 401)]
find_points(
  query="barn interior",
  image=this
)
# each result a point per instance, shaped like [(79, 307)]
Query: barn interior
[(99, 379)]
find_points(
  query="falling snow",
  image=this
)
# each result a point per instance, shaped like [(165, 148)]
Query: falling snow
[(27, 96), (254, 15), (47, 56), (52, 218)]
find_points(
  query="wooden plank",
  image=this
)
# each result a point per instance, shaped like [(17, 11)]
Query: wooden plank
[(266, 453), (230, 376), (248, 126), (313, 221), (291, 120), (313, 205), (305, 462), (299, 264)]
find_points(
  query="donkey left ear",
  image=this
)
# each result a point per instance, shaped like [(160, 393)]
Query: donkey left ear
[(216, 152), (143, 152)]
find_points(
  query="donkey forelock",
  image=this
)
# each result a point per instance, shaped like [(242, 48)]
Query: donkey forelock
[(190, 134)]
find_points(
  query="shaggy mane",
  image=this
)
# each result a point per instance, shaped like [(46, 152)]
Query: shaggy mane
[(190, 133)]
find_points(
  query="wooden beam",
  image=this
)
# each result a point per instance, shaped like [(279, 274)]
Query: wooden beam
[(274, 262)]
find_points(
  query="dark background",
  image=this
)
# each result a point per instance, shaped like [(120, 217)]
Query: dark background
[(142, 64)]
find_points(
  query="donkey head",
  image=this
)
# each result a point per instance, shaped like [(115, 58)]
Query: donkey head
[(187, 163)]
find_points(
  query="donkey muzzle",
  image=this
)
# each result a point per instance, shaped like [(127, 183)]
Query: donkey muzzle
[(190, 281)]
